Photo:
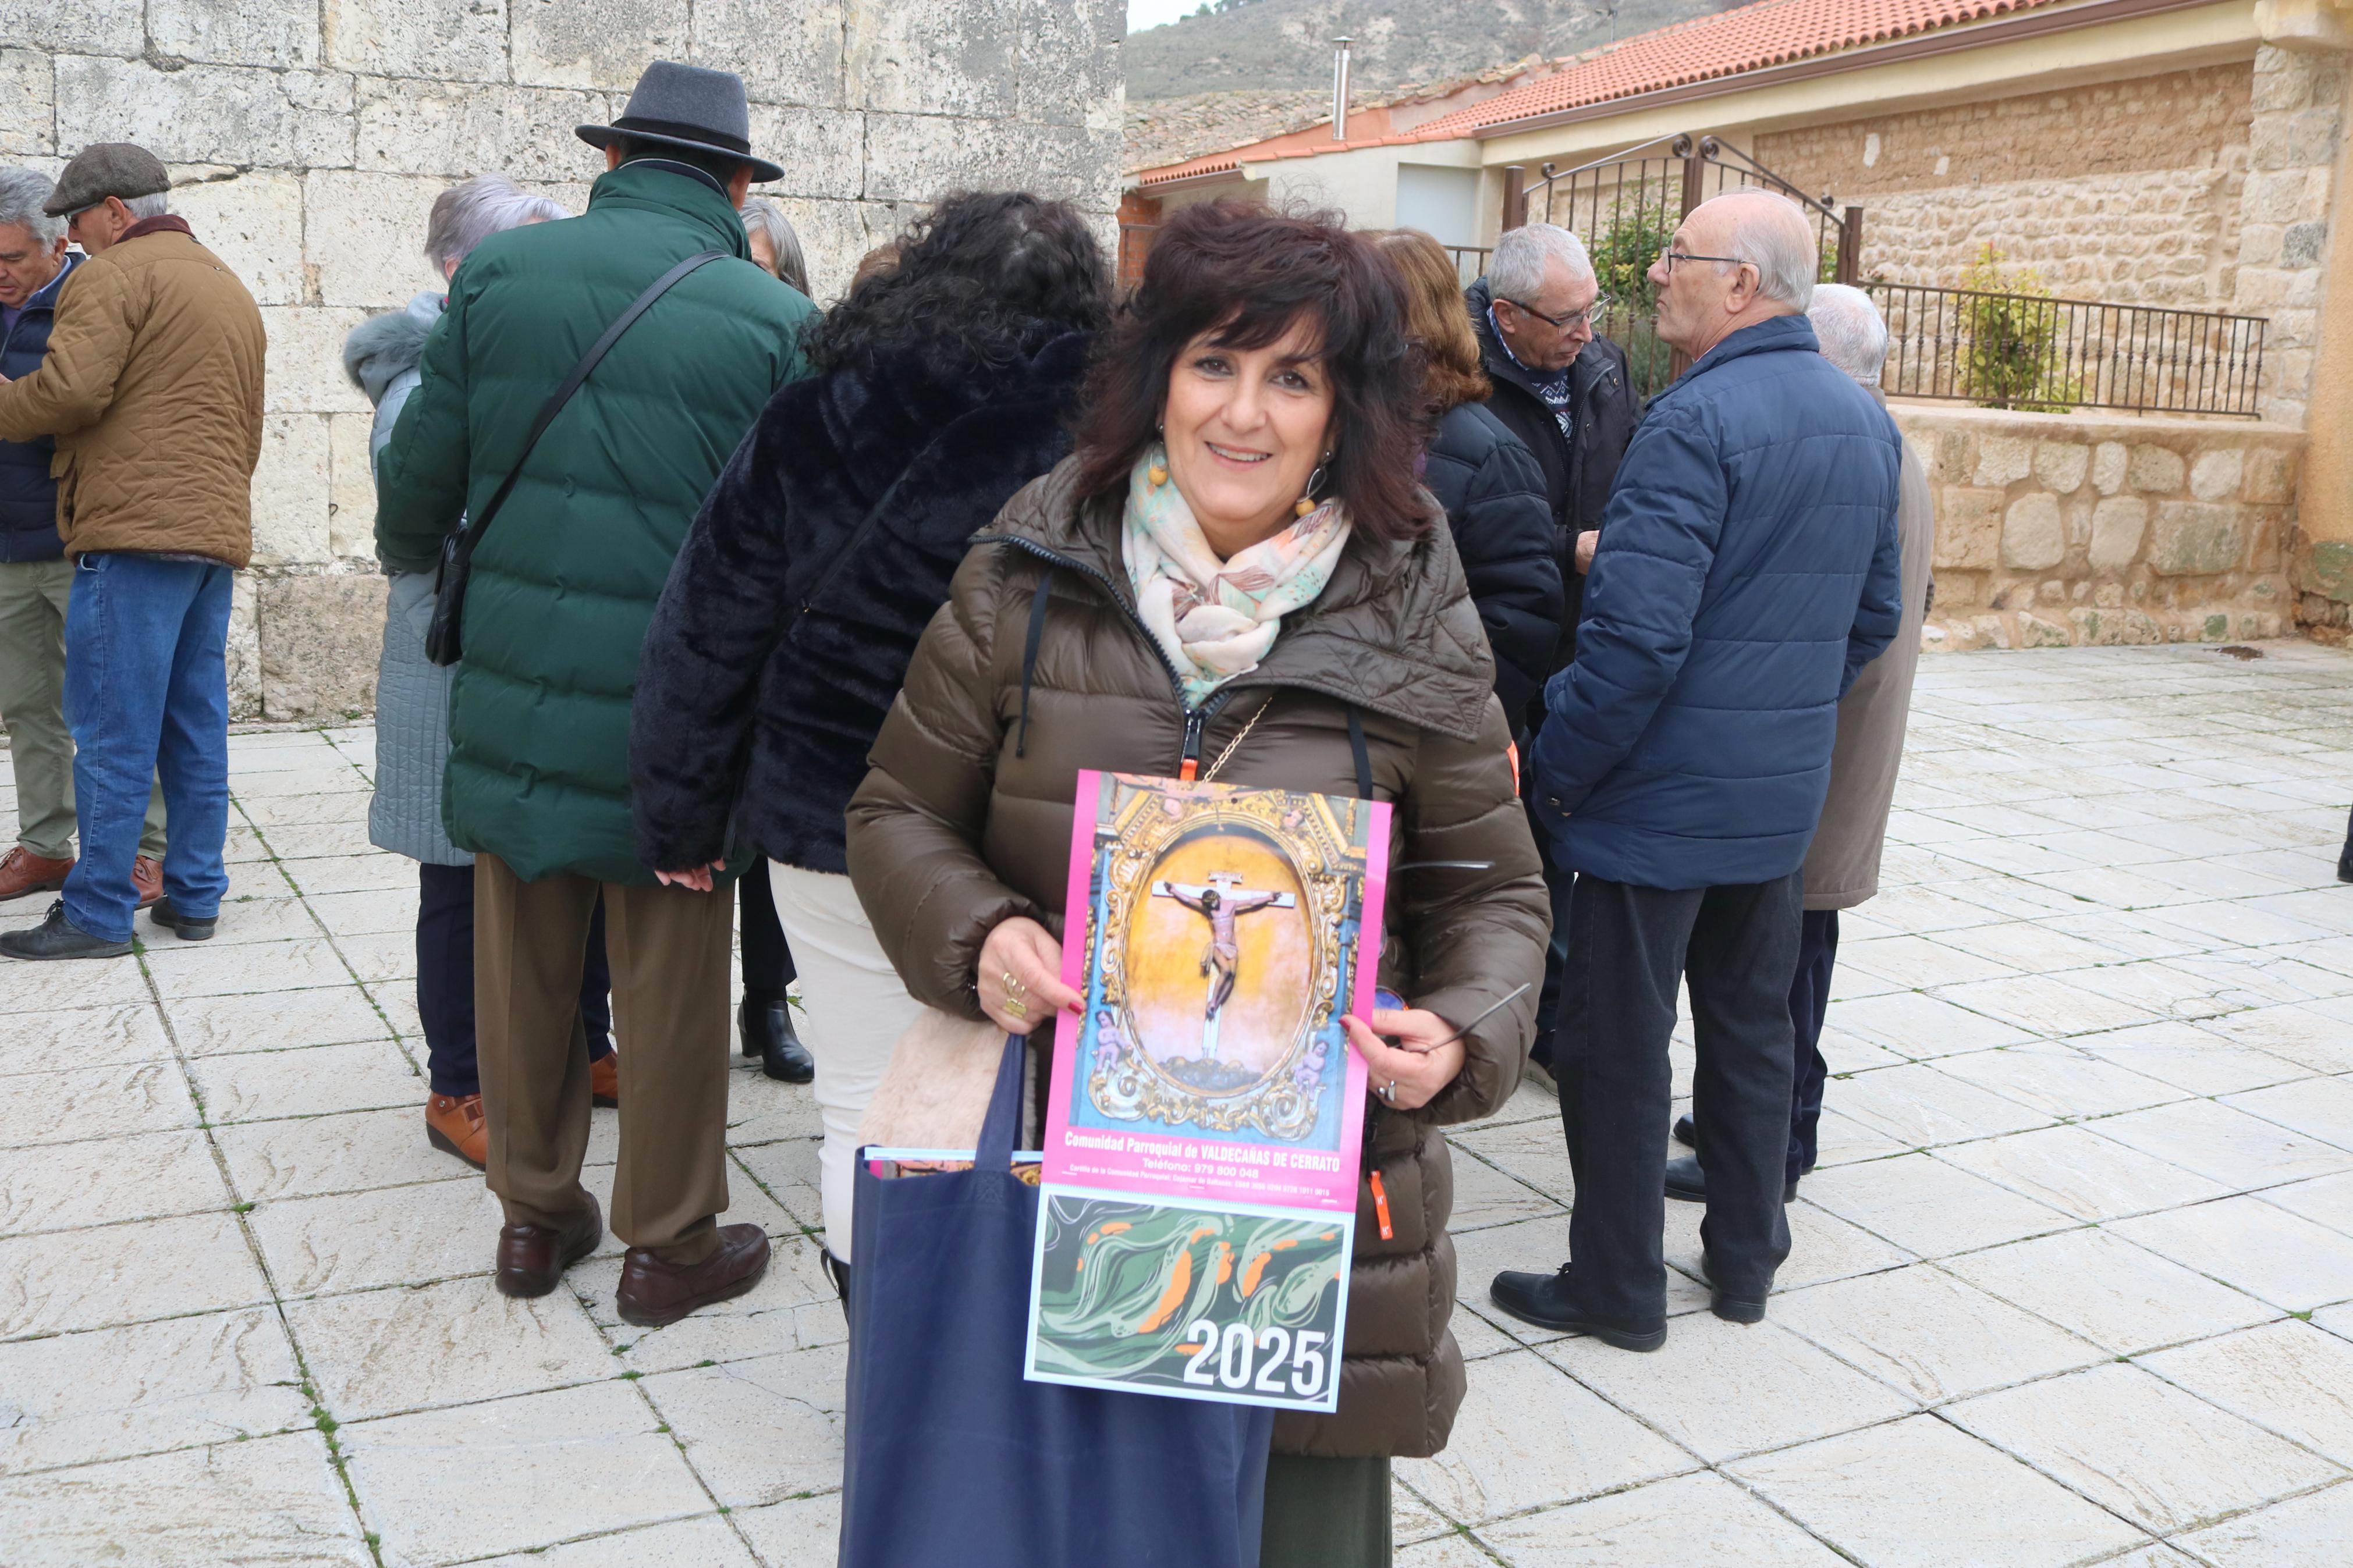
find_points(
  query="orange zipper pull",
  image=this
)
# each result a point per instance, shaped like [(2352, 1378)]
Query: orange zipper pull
[(1187, 768), (1381, 1209)]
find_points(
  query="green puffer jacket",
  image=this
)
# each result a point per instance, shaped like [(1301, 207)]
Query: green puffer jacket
[(565, 580)]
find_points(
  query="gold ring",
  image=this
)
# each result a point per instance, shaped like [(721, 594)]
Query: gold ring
[(1017, 1007)]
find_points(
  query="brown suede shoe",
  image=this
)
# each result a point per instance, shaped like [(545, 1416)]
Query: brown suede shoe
[(654, 1293), (454, 1124), (533, 1258), (22, 873), (147, 876), (604, 1080)]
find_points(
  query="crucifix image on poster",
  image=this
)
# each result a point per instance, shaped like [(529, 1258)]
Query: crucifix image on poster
[(1204, 1128), (1222, 902)]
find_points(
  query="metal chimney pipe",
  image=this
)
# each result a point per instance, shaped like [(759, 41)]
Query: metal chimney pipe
[(1340, 90)]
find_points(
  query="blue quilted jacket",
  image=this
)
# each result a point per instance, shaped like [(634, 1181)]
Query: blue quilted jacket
[(1748, 572)]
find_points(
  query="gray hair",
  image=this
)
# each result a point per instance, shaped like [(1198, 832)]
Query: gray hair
[(1773, 236), (1516, 271), (764, 217), (1852, 335), (22, 192), (143, 208), (469, 213)]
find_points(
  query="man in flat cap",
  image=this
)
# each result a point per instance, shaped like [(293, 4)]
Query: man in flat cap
[(151, 388), (564, 579)]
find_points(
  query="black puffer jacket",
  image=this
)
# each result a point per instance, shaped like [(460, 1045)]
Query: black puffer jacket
[(786, 626), (1577, 474), (1493, 494)]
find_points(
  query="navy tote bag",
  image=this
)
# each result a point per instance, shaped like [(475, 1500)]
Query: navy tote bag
[(954, 1460)]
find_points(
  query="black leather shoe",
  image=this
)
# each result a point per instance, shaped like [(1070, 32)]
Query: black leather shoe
[(2345, 862), (768, 1033), (1741, 1308), (162, 913), (1683, 1133), (1542, 1300), (1687, 1182), (57, 937)]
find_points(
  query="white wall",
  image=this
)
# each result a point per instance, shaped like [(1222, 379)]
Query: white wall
[(1443, 202)]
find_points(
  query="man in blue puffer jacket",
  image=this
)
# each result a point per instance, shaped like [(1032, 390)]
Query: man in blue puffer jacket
[(1748, 572)]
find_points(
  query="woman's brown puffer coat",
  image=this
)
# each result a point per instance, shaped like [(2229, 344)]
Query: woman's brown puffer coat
[(962, 824)]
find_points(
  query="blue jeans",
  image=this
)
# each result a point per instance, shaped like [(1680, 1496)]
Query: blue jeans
[(146, 696)]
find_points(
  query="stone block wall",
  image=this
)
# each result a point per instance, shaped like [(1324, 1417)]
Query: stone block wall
[(2206, 189), (308, 138), (2125, 189), (2065, 529), (2297, 135)]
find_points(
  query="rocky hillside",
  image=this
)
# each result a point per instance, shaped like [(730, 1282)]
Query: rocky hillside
[(1266, 44)]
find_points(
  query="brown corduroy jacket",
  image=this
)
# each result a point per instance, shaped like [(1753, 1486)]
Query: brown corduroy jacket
[(960, 825), (153, 389)]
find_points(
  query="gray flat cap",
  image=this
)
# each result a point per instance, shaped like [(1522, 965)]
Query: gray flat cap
[(106, 169), (687, 106)]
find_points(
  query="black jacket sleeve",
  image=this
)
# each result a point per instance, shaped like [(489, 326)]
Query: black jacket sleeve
[(719, 620), (1493, 494)]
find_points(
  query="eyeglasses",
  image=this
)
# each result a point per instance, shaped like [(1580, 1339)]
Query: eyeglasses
[(1574, 319), (1675, 256)]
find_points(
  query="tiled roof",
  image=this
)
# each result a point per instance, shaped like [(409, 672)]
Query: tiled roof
[(1751, 37), (1208, 163)]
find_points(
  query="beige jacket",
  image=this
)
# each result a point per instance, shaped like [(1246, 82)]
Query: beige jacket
[(153, 389), (1843, 866)]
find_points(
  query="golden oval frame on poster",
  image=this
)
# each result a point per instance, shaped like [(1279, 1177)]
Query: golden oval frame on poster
[(1303, 836)]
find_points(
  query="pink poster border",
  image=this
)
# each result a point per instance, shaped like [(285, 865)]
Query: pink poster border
[(1248, 1171)]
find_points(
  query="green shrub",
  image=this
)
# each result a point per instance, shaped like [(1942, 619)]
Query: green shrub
[(2009, 344)]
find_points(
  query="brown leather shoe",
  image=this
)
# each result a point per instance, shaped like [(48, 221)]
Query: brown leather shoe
[(604, 1080), (533, 1258), (654, 1293), (22, 873), (147, 876), (454, 1124)]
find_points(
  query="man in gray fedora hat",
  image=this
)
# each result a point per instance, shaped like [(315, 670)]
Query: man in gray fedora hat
[(564, 579)]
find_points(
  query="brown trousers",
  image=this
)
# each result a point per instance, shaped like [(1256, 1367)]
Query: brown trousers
[(669, 949)]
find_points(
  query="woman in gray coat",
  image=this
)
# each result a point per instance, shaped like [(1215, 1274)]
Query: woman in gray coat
[(412, 709)]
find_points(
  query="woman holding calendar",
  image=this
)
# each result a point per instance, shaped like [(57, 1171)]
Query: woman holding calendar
[(1238, 576)]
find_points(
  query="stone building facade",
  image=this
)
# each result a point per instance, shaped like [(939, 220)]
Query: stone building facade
[(2207, 189), (2128, 191), (309, 138)]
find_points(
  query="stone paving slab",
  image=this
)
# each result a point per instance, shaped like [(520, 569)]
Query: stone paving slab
[(2074, 1283)]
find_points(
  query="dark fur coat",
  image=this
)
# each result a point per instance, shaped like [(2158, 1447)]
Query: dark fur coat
[(785, 631)]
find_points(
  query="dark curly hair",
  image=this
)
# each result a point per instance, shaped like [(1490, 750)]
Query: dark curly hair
[(1000, 272), (1244, 275)]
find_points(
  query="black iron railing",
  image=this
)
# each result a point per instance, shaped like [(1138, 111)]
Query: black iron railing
[(1625, 208), (2017, 350)]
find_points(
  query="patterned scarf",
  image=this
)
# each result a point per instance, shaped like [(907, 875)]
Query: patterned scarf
[(1215, 619)]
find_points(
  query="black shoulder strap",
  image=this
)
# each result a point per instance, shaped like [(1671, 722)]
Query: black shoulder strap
[(563, 394), (1364, 755)]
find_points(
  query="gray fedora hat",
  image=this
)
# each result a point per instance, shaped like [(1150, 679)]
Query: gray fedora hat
[(687, 106)]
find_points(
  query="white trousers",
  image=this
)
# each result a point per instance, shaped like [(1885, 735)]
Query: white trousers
[(853, 1010)]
